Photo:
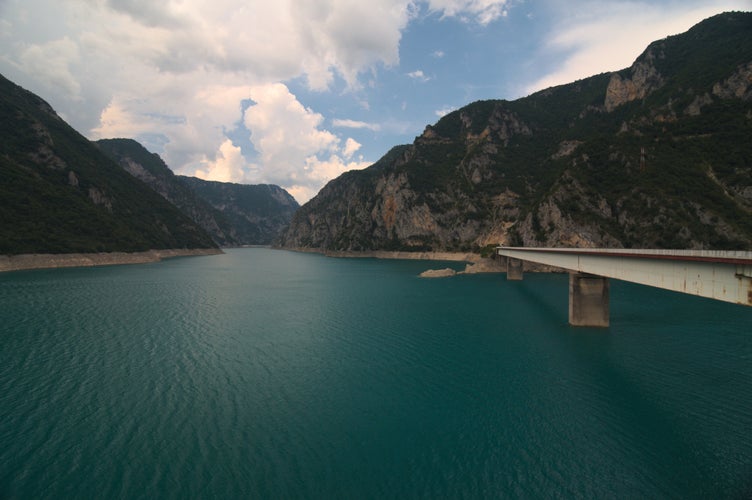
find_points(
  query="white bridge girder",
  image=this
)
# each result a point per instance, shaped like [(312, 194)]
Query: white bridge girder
[(720, 275)]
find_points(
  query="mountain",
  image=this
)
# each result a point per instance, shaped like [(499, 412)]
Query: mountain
[(232, 214), (149, 168), (655, 155), (60, 194), (256, 213)]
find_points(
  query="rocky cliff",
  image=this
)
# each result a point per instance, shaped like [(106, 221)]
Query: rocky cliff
[(655, 155)]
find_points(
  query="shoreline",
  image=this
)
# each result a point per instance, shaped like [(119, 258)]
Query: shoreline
[(24, 262), (395, 255), (475, 263)]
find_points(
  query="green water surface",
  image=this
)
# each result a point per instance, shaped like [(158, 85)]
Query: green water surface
[(271, 374)]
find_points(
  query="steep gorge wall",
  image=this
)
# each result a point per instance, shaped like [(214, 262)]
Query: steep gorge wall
[(656, 155)]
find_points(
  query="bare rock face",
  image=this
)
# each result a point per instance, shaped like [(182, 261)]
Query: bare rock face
[(98, 197), (138, 171), (645, 78), (695, 108), (508, 124), (394, 200), (738, 85), (566, 148)]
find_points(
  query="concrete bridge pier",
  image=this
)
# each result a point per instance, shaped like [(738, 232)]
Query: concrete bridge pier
[(588, 300), (514, 269)]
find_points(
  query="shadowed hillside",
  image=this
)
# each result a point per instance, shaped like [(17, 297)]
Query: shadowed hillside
[(60, 194)]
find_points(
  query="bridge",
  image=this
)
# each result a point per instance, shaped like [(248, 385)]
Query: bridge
[(719, 275)]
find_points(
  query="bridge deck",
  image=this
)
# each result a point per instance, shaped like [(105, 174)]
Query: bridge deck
[(720, 275)]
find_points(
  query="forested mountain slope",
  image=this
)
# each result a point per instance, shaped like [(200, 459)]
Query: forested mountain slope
[(149, 168), (60, 194)]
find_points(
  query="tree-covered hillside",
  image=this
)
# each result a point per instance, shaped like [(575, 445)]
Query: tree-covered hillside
[(60, 194), (149, 168)]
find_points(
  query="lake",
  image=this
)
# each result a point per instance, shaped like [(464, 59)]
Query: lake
[(272, 374)]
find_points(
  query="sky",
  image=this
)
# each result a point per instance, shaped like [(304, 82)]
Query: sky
[(296, 92)]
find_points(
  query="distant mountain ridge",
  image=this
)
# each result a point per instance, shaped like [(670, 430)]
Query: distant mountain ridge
[(257, 213), (655, 155), (60, 194)]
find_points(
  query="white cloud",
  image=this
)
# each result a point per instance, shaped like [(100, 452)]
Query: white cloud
[(116, 120), (294, 151), (608, 36), (319, 172), (351, 146), (438, 54), (228, 165), (193, 119), (280, 125), (355, 124), (127, 44), (347, 36), (482, 11), (51, 64), (418, 75)]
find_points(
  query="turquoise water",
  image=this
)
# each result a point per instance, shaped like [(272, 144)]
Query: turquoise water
[(270, 374)]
